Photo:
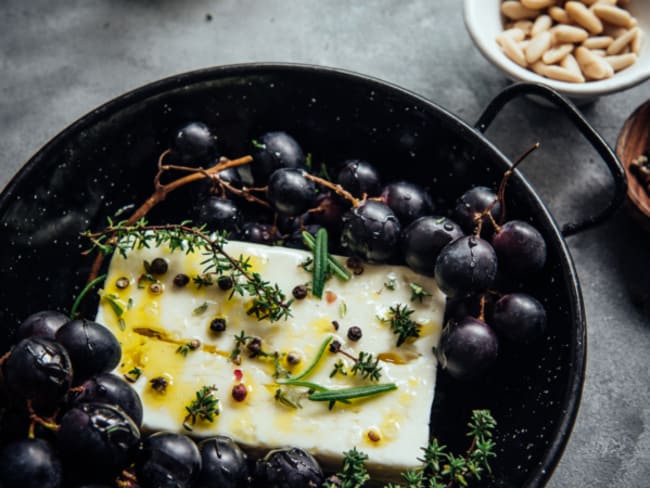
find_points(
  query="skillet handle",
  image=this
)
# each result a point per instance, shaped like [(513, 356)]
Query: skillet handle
[(598, 143)]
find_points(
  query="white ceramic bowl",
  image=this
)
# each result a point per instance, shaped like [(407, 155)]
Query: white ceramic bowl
[(484, 22)]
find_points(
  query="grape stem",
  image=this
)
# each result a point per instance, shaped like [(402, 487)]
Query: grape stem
[(161, 190), (336, 188), (501, 195), (36, 419)]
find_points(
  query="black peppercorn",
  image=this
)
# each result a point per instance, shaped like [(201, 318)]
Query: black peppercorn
[(218, 325), (254, 346), (354, 333), (225, 283), (335, 346), (299, 292), (181, 280), (159, 384), (336, 325), (158, 266)]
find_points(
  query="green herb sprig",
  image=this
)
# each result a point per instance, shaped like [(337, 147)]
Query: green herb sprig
[(269, 302), (401, 323), (332, 264), (205, 406), (439, 468)]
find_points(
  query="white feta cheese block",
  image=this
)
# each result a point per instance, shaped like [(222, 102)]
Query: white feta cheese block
[(166, 339)]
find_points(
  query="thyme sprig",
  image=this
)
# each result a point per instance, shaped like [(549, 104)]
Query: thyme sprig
[(439, 468), (205, 407), (401, 323), (269, 302), (418, 292), (367, 367)]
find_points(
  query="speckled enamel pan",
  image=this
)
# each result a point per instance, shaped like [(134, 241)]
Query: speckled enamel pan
[(107, 159)]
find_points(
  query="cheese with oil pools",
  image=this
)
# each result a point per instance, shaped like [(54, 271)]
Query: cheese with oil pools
[(154, 323)]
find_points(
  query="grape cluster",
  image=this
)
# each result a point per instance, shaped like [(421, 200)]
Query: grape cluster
[(67, 420), (63, 428), (469, 248)]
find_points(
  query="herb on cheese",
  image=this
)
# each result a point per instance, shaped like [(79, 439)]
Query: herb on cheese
[(205, 407), (401, 323)]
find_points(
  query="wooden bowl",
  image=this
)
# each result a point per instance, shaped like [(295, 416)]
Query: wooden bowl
[(634, 141)]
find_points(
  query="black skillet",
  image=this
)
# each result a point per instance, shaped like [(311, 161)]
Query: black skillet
[(106, 161)]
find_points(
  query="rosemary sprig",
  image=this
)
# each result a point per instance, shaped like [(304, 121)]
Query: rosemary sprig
[(269, 302), (333, 265), (315, 361), (321, 263), (330, 395), (83, 293), (402, 324), (205, 406)]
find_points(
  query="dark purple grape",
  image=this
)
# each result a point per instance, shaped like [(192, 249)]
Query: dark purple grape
[(370, 231), (195, 144), (224, 464), (38, 369), (520, 247), (29, 463), (330, 210), (461, 306), (286, 468), (41, 324), (519, 317), (275, 150), (467, 348), (259, 233), (466, 265), (206, 186), (93, 349), (359, 178), (423, 240), (290, 192), (218, 213), (295, 238), (168, 460), (471, 204), (111, 389), (407, 200), (97, 440)]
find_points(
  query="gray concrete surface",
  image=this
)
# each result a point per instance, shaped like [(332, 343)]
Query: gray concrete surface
[(59, 59)]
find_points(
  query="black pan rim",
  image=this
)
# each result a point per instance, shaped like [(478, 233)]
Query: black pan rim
[(572, 396)]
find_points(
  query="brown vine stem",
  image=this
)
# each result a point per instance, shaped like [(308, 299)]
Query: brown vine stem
[(501, 194), (336, 188), (161, 190)]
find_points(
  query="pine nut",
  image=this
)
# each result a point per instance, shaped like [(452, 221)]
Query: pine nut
[(601, 42), (569, 62), (538, 46), (537, 4), (559, 15), (541, 24), (513, 51), (593, 67), (620, 42), (599, 52), (516, 11), (557, 54), (637, 42), (515, 34), (612, 14), (557, 73), (583, 17), (621, 61), (568, 33), (524, 25)]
